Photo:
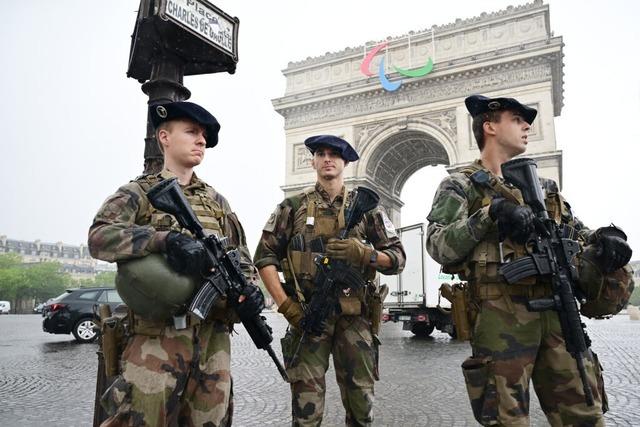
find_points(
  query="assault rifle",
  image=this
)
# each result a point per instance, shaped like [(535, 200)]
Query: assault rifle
[(225, 279), (551, 255), (332, 276)]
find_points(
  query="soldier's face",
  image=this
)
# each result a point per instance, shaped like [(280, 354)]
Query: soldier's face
[(328, 163), (184, 143), (511, 133)]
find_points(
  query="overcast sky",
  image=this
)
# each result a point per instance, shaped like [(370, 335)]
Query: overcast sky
[(74, 123)]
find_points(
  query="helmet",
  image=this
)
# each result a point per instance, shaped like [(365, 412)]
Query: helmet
[(152, 289), (605, 294)]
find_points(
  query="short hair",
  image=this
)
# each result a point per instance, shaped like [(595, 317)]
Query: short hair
[(166, 125), (478, 122)]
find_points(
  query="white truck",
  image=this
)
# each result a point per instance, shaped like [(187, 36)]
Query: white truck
[(414, 295)]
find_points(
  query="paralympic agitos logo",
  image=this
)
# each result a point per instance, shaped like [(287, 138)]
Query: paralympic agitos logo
[(388, 85)]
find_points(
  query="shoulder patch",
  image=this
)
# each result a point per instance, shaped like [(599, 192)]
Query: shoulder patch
[(388, 225), (270, 226)]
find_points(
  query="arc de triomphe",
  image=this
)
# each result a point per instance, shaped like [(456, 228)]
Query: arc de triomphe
[(506, 53)]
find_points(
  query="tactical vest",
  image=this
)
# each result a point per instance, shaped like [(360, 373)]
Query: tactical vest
[(313, 226), (209, 213), (207, 210), (483, 263)]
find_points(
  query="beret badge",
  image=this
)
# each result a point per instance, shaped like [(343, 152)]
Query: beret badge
[(161, 111)]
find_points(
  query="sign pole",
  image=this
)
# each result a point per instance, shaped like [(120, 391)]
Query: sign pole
[(165, 85), (172, 39)]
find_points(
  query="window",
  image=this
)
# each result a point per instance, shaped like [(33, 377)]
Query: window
[(113, 296), (91, 295)]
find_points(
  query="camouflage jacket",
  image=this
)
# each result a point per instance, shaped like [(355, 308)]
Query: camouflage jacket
[(288, 220), (459, 220), (122, 227)]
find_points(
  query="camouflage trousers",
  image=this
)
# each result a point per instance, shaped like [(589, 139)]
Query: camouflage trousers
[(350, 341), (180, 378), (512, 346)]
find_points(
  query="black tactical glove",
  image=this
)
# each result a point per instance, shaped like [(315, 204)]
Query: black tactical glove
[(184, 254), (253, 302), (514, 221), (613, 250)]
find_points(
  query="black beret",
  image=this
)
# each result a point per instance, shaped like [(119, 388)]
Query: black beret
[(346, 151), (478, 104), (186, 110)]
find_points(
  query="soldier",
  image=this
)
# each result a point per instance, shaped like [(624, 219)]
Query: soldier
[(318, 212), (471, 231), (175, 368)]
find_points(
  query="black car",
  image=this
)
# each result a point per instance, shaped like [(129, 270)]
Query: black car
[(72, 312)]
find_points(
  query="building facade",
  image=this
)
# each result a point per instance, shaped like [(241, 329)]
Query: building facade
[(74, 260)]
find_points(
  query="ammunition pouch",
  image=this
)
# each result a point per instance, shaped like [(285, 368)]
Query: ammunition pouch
[(350, 306), (289, 343), (461, 309), (481, 388)]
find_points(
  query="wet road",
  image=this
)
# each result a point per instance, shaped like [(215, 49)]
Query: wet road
[(50, 380)]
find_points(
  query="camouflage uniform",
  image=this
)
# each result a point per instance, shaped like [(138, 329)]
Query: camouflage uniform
[(347, 336), (169, 377), (510, 345)]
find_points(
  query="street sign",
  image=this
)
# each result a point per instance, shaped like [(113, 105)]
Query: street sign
[(194, 34), (205, 21)]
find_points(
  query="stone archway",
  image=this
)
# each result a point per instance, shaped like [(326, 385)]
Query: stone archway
[(511, 52), (389, 155)]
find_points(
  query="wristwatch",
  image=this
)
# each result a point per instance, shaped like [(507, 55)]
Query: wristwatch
[(373, 259)]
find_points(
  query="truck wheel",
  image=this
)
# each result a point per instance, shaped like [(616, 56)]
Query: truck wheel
[(422, 329)]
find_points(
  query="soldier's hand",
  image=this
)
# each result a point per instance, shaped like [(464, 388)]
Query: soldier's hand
[(351, 250), (292, 311), (184, 254), (613, 253), (515, 221), (251, 302)]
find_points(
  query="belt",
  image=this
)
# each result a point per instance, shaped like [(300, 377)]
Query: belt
[(151, 327), (487, 291)]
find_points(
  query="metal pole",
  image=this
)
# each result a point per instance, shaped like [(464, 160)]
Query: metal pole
[(164, 85)]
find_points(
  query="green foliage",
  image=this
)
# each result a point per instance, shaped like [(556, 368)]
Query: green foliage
[(103, 278), (39, 281)]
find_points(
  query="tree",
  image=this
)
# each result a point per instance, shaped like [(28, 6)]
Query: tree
[(106, 278), (45, 280), (103, 278), (11, 276), (21, 282)]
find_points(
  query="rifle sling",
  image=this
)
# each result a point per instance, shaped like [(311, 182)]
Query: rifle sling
[(299, 292)]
